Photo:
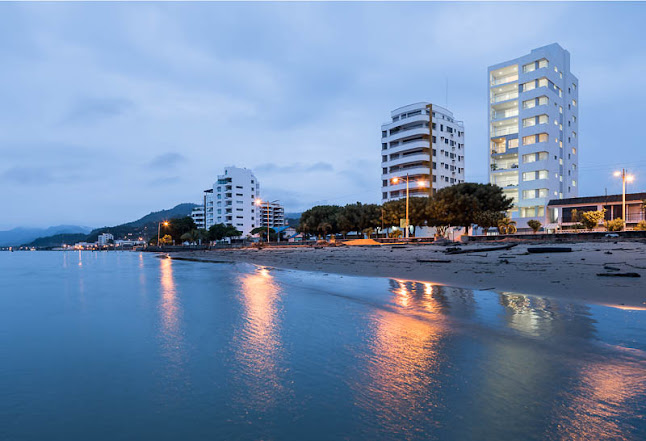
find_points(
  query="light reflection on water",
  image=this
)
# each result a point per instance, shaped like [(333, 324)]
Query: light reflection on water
[(239, 352), (257, 342)]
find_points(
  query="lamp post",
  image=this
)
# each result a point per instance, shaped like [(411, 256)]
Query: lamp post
[(624, 178), (259, 204), (395, 180), (159, 229)]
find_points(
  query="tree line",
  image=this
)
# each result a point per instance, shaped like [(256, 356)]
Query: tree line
[(460, 205)]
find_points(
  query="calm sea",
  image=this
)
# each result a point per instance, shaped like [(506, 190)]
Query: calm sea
[(129, 346)]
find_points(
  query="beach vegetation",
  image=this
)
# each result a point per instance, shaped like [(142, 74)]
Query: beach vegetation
[(615, 224), (590, 219), (319, 215), (358, 217), (394, 211), (507, 226), (641, 226), (167, 239), (395, 234), (262, 231), (461, 204), (222, 231), (488, 219), (535, 225)]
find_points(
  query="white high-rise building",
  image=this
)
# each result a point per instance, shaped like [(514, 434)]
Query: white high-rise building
[(231, 201), (425, 142), (197, 214), (533, 130)]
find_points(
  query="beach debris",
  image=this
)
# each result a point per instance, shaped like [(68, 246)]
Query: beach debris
[(608, 252), (619, 275), (457, 250), (433, 260), (540, 250), (610, 268)]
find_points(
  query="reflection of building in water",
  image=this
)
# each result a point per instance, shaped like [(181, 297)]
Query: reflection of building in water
[(521, 376), (543, 317), (430, 297), (258, 341)]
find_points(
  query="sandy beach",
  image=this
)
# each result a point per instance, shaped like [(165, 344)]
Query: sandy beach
[(572, 275)]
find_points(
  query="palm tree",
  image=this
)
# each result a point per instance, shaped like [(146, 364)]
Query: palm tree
[(507, 226), (324, 227)]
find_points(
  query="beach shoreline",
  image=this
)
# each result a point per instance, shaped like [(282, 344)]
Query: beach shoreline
[(568, 276)]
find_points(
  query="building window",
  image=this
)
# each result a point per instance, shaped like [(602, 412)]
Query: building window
[(574, 102), (529, 67), (542, 63)]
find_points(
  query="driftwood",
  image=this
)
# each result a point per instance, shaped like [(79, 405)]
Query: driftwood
[(549, 250), (479, 250), (433, 260), (618, 275)]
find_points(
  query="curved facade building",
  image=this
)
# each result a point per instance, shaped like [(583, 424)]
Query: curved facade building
[(425, 142)]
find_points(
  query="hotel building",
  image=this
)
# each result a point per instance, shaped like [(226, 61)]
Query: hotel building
[(231, 201), (427, 143), (272, 214), (533, 125)]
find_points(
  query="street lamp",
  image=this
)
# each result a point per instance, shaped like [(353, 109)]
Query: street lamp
[(395, 180), (624, 178), (165, 223), (259, 203)]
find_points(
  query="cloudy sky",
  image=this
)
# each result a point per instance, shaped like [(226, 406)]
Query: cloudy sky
[(109, 111)]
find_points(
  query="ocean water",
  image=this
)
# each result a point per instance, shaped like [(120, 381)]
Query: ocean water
[(130, 346)]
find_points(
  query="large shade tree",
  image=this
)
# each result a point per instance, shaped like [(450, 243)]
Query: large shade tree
[(463, 204), (319, 219), (394, 211), (221, 231)]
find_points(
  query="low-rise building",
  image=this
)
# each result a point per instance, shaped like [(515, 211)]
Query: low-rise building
[(560, 210), (104, 239)]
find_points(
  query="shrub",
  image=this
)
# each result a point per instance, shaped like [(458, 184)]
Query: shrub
[(615, 224), (641, 226), (590, 219), (534, 225)]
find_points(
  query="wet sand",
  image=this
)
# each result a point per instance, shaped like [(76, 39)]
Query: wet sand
[(571, 275)]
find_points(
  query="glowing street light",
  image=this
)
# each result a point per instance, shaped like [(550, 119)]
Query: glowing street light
[(165, 223), (396, 180), (624, 178)]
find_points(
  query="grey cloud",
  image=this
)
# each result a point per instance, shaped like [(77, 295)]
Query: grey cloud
[(166, 161), (90, 110), (40, 176), (295, 168), (169, 180)]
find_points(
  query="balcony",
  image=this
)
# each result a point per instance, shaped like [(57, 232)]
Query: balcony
[(504, 80), (502, 114), (505, 96), (505, 130)]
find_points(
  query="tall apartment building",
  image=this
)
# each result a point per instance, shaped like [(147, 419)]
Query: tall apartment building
[(533, 125), (231, 201), (272, 214), (427, 143)]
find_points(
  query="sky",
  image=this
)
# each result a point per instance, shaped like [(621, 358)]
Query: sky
[(109, 111)]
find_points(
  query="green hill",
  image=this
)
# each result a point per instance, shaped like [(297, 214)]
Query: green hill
[(145, 227)]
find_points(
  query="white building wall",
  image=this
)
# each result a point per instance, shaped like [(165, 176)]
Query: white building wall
[(427, 143), (231, 201), (533, 130)]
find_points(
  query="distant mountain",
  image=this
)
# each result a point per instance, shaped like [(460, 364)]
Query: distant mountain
[(57, 240), (22, 235), (145, 227)]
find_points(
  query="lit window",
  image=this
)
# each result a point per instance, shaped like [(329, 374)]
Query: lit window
[(542, 63), (574, 102)]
